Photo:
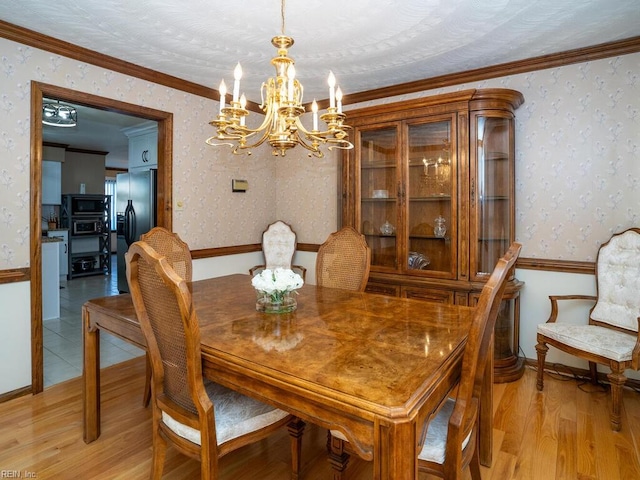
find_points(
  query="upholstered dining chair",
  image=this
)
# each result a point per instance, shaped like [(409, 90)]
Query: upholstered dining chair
[(344, 261), (449, 443), (278, 246), (611, 336), (201, 419), (177, 253)]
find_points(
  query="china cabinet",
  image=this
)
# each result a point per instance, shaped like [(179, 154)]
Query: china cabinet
[(431, 185)]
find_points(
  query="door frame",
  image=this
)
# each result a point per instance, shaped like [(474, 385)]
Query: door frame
[(164, 199)]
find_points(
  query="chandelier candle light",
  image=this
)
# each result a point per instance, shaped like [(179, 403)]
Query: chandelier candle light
[(276, 290), (282, 106)]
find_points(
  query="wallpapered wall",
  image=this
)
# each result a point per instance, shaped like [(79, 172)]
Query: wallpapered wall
[(577, 154), (213, 216), (577, 147)]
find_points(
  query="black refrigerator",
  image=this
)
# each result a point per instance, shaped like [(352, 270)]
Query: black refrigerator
[(136, 195)]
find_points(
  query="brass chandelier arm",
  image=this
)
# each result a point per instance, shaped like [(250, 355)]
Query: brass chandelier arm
[(335, 138), (236, 133)]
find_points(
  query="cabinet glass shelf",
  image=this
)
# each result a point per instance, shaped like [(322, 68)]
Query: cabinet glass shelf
[(378, 235), (429, 237), (431, 198)]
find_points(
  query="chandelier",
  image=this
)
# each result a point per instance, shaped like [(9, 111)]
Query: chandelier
[(282, 106), (59, 115)]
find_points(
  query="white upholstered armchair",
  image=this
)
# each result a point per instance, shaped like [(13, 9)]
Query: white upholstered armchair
[(611, 336), (278, 247)]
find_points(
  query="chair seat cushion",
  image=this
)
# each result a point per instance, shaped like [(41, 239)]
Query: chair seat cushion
[(436, 441), (235, 414), (597, 340)]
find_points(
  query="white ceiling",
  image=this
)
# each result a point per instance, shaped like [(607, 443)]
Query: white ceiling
[(97, 130), (368, 44)]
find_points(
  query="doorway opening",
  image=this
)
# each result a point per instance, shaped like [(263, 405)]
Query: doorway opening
[(164, 120)]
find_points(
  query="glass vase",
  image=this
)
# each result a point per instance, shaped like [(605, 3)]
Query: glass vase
[(277, 302), (440, 229)]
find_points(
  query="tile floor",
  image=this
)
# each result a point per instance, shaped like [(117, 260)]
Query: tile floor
[(62, 337)]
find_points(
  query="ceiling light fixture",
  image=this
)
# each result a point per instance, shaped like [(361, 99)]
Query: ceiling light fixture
[(282, 106), (59, 115)]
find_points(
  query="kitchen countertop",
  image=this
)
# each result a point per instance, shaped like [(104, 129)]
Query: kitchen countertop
[(46, 239)]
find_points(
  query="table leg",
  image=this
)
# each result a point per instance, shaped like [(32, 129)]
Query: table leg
[(91, 379), (392, 459), (486, 413)]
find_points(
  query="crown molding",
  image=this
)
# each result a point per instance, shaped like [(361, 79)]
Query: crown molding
[(66, 49), (579, 55)]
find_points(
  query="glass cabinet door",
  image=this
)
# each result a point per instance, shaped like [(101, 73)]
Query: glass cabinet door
[(492, 195), (379, 184), (431, 207)]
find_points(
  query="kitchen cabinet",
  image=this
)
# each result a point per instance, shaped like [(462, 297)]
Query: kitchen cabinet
[(143, 147), (63, 250), (50, 280), (431, 184), (51, 182)]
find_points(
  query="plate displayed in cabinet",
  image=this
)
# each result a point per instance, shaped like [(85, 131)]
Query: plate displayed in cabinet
[(418, 261), (381, 194)]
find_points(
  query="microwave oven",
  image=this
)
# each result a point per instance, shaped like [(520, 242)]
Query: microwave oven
[(87, 205), (86, 227)]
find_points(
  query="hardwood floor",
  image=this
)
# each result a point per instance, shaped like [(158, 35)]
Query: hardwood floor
[(562, 433)]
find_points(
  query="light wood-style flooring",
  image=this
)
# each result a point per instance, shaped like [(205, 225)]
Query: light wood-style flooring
[(562, 433)]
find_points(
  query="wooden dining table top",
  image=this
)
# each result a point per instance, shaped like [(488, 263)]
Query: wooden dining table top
[(366, 348), (369, 365)]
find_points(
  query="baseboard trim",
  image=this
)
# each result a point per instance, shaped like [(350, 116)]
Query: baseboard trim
[(578, 373), (20, 392)]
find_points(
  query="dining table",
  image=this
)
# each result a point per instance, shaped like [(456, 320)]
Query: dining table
[(372, 366)]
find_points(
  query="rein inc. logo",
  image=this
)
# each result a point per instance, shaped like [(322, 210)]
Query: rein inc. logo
[(17, 474)]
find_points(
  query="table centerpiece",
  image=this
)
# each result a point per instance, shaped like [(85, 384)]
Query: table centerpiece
[(276, 290)]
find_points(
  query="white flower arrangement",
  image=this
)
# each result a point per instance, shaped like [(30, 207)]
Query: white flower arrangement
[(277, 283)]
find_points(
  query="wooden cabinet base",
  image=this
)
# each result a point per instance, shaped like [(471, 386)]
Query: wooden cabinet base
[(508, 369)]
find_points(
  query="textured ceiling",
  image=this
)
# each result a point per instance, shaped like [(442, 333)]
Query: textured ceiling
[(368, 44)]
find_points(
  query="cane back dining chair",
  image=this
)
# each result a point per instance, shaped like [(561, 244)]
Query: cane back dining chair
[(170, 245), (343, 261), (177, 253), (201, 419), (278, 246), (449, 443), (611, 336)]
